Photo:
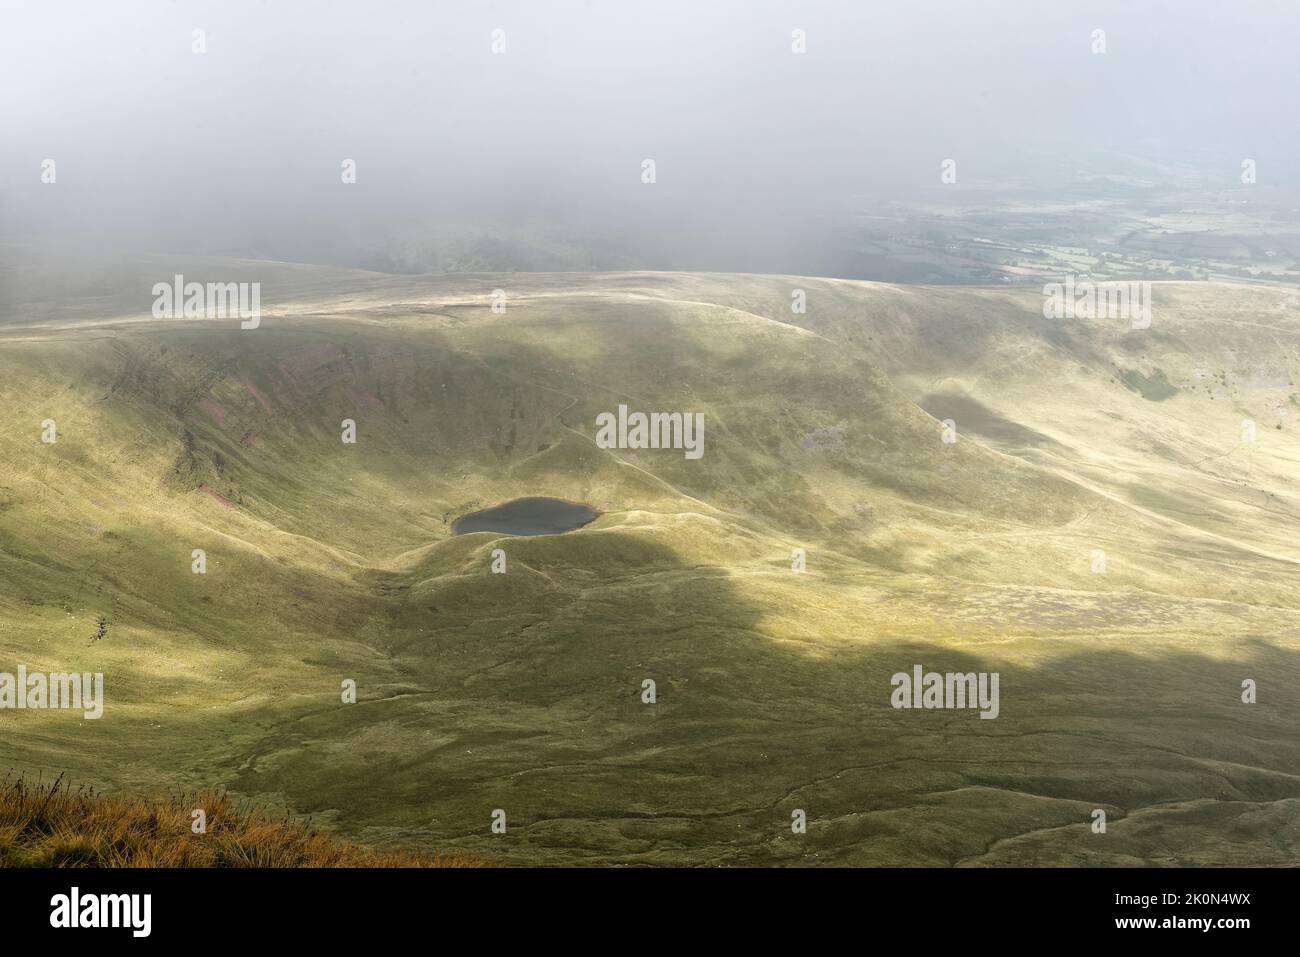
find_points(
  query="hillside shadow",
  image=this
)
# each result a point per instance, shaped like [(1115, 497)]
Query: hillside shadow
[(525, 691)]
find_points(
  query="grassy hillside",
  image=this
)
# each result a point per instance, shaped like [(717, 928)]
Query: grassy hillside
[(522, 692)]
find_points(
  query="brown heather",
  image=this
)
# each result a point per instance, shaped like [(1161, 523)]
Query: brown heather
[(50, 825)]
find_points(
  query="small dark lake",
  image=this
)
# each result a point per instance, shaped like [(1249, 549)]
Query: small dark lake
[(526, 516)]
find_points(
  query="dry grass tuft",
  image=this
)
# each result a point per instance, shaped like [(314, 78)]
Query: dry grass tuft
[(50, 825)]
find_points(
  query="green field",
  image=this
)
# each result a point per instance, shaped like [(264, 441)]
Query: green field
[(522, 691)]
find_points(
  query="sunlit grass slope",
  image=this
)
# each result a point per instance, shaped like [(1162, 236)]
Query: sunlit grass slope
[(330, 562)]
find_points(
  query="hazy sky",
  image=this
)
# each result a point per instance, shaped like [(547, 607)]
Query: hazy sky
[(238, 149)]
